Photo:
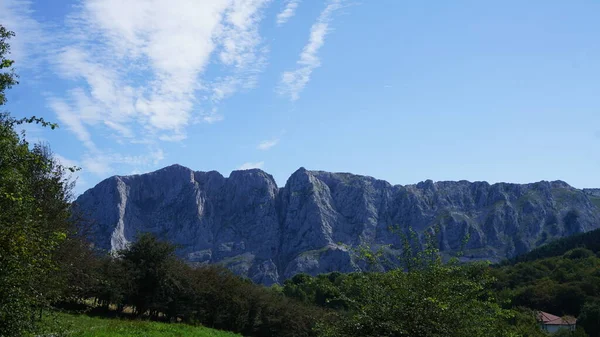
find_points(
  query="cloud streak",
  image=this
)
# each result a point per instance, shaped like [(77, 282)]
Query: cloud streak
[(250, 165), (137, 69), (288, 12), (30, 42), (168, 42), (294, 81), (267, 144), (141, 72)]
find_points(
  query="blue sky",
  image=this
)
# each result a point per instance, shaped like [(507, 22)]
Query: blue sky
[(402, 91)]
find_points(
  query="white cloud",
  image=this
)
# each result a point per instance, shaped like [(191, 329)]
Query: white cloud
[(73, 121), (250, 165), (177, 137), (113, 42), (293, 82), (30, 42), (267, 144), (64, 161), (239, 35), (288, 12), (136, 69), (101, 163), (213, 117), (165, 44), (96, 165), (223, 88)]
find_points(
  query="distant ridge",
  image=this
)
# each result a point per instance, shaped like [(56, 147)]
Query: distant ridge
[(267, 233)]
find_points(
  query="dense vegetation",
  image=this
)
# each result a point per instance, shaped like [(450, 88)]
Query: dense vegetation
[(146, 280), (589, 240), (567, 284), (424, 298), (34, 204), (430, 299)]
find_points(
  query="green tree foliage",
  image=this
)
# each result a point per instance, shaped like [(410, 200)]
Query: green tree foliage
[(560, 285), (147, 262), (34, 204), (566, 284), (8, 78), (148, 278), (424, 297), (579, 332), (589, 240), (323, 290), (438, 300), (589, 319)]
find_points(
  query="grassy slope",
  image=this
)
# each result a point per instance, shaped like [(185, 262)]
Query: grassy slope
[(57, 324)]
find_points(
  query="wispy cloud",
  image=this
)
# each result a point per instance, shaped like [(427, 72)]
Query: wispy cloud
[(30, 41), (288, 12), (250, 165), (293, 82), (267, 144), (101, 163), (166, 43), (238, 35), (72, 121), (65, 161), (136, 69)]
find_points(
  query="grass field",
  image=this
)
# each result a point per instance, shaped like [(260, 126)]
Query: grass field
[(59, 324)]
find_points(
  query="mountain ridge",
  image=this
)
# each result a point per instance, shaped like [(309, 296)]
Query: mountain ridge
[(269, 233)]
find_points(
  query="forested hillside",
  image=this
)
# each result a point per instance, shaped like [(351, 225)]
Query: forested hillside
[(562, 277), (589, 240)]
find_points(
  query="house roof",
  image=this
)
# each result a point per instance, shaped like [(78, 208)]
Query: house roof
[(549, 319)]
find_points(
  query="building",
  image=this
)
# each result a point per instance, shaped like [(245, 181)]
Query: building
[(551, 323)]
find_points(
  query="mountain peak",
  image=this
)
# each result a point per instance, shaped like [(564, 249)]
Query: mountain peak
[(269, 234)]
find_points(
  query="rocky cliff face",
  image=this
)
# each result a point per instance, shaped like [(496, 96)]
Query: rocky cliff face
[(269, 234)]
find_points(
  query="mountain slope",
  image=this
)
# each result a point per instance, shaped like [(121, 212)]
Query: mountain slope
[(269, 234), (589, 240)]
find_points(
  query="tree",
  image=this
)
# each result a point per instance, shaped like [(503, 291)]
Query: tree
[(33, 222), (589, 318), (424, 298), (7, 78), (34, 204), (437, 300), (147, 260)]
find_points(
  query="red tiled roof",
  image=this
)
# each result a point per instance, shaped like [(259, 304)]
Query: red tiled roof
[(549, 319)]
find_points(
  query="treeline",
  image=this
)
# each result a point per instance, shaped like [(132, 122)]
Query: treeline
[(424, 297), (562, 285), (431, 298), (147, 280), (34, 212)]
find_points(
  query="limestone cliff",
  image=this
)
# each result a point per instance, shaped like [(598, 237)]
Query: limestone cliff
[(269, 234)]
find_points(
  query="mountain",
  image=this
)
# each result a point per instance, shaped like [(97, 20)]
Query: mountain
[(589, 240), (269, 234)]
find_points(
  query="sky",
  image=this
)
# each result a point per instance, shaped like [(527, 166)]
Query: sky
[(501, 91)]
